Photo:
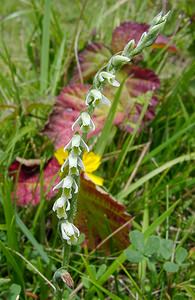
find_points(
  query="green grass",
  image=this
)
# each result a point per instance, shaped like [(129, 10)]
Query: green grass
[(38, 43)]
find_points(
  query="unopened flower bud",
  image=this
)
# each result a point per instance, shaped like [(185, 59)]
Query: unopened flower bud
[(117, 61), (128, 48), (61, 277)]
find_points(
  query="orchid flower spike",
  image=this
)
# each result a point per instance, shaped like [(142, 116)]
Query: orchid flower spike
[(70, 233), (74, 162), (61, 205), (102, 76), (85, 121), (67, 184), (95, 98), (75, 144)]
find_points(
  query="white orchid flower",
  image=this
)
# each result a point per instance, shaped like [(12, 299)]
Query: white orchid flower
[(74, 162), (102, 76), (67, 184), (96, 97), (85, 121), (75, 144), (70, 233), (61, 205)]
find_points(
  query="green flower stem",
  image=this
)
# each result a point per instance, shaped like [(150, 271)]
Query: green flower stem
[(66, 254), (59, 295), (72, 213)]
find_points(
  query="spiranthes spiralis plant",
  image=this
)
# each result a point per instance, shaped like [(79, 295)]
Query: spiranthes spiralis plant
[(66, 205)]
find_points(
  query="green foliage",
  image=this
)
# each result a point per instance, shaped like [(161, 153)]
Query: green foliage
[(14, 292), (40, 46), (180, 255), (170, 267), (154, 250)]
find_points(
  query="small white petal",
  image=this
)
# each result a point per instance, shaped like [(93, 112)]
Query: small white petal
[(64, 165), (76, 230), (92, 125), (58, 186), (105, 100), (76, 123), (115, 83), (84, 145), (67, 146), (64, 235), (76, 189), (68, 206), (80, 163), (87, 101)]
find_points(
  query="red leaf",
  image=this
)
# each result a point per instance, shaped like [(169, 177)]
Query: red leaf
[(71, 101), (99, 214), (130, 30), (66, 110), (137, 83), (28, 185)]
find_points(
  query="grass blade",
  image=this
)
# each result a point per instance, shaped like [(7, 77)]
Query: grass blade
[(45, 47), (167, 165), (9, 213), (15, 265), (57, 66), (32, 240), (130, 139)]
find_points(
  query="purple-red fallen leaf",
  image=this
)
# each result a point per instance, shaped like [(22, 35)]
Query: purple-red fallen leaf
[(91, 59), (28, 182), (72, 100), (141, 80), (66, 109), (138, 82), (98, 213), (130, 30)]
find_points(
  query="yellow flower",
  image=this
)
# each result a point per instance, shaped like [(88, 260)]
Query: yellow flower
[(91, 163), (61, 155)]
